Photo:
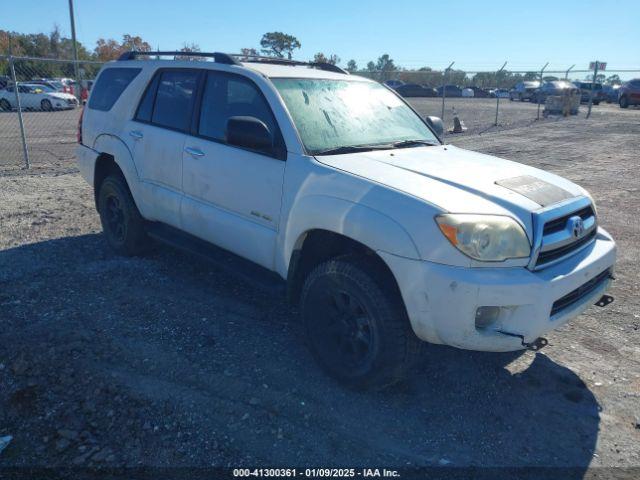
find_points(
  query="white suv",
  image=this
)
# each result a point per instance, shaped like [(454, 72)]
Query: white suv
[(384, 235)]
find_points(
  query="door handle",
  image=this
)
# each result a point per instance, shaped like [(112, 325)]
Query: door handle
[(137, 135), (196, 152)]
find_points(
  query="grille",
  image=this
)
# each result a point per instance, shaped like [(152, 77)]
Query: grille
[(558, 224), (558, 241), (556, 253), (579, 293)]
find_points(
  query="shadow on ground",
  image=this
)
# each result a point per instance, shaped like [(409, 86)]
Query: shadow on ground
[(168, 361)]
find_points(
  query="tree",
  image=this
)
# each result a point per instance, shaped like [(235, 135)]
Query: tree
[(278, 44), (110, 49), (186, 47), (248, 52), (614, 80), (371, 67), (352, 66), (385, 64), (322, 58)]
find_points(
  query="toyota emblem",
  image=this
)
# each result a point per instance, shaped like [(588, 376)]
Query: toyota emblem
[(576, 226)]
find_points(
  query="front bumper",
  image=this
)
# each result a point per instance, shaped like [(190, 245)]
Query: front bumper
[(441, 300)]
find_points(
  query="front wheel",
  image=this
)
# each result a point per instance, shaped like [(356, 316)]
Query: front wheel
[(356, 324), (121, 221), (5, 105)]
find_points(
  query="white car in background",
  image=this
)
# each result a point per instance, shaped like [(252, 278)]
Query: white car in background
[(36, 97), (468, 92)]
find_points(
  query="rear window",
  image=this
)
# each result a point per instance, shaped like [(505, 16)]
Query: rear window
[(110, 86)]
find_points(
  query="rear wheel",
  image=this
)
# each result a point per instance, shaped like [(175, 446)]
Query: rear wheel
[(624, 102), (121, 221), (5, 105), (356, 324), (46, 105)]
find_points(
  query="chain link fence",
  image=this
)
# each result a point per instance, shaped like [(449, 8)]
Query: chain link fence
[(40, 102), (476, 102), (38, 123)]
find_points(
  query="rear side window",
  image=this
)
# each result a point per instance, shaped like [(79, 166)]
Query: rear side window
[(174, 99), (110, 85)]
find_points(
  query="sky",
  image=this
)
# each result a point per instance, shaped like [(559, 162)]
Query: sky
[(477, 35)]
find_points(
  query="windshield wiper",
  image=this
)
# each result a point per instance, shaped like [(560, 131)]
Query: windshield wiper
[(352, 149), (413, 143)]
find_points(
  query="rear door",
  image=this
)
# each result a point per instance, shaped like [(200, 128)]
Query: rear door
[(157, 135), (233, 195)]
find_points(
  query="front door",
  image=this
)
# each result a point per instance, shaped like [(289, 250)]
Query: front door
[(232, 196)]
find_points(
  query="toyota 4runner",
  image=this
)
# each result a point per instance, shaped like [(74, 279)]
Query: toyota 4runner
[(383, 235)]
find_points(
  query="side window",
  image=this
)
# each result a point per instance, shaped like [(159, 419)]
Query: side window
[(110, 85), (145, 109), (174, 99), (226, 96)]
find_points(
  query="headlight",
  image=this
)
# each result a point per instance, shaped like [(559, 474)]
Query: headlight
[(488, 238)]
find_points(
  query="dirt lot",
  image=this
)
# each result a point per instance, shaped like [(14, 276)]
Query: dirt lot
[(165, 361)]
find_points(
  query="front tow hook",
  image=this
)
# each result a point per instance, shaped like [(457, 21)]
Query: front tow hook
[(604, 300), (534, 346)]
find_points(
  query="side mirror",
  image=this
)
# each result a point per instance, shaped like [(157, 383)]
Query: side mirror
[(436, 124), (249, 132)]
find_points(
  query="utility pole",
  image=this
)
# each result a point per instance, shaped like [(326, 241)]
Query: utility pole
[(593, 84), (75, 51), (497, 88), (538, 99), (444, 87)]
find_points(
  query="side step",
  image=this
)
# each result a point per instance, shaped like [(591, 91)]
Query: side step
[(238, 267)]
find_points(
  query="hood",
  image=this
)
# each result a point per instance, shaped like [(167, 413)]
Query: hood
[(460, 181)]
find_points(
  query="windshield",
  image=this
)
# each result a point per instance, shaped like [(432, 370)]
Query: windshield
[(334, 114)]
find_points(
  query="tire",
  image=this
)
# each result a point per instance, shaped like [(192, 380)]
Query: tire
[(597, 103), (356, 324), (520, 97), (624, 102), (121, 221), (5, 105), (46, 106)]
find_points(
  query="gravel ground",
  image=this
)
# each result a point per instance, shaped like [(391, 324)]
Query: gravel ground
[(164, 361)]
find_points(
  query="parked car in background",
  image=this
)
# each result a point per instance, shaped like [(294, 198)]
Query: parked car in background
[(524, 91), (467, 92), (393, 83), (492, 92), (415, 90), (585, 92), (501, 93), (480, 92), (450, 91), (611, 93), (56, 85), (629, 93), (554, 87), (36, 97)]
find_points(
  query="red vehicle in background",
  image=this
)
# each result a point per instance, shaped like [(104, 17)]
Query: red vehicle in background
[(629, 93)]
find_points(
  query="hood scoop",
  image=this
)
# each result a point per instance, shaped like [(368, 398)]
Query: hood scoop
[(535, 189)]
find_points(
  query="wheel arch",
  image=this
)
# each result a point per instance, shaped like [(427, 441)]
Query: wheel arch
[(114, 157)]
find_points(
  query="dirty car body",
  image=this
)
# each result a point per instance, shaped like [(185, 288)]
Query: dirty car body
[(485, 253)]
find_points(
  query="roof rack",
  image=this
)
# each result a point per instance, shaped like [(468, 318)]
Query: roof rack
[(218, 57), (285, 61), (234, 59)]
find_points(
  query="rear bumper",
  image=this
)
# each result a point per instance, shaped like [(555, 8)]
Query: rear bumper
[(86, 158), (442, 300)]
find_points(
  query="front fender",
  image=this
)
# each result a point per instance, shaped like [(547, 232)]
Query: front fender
[(356, 221)]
